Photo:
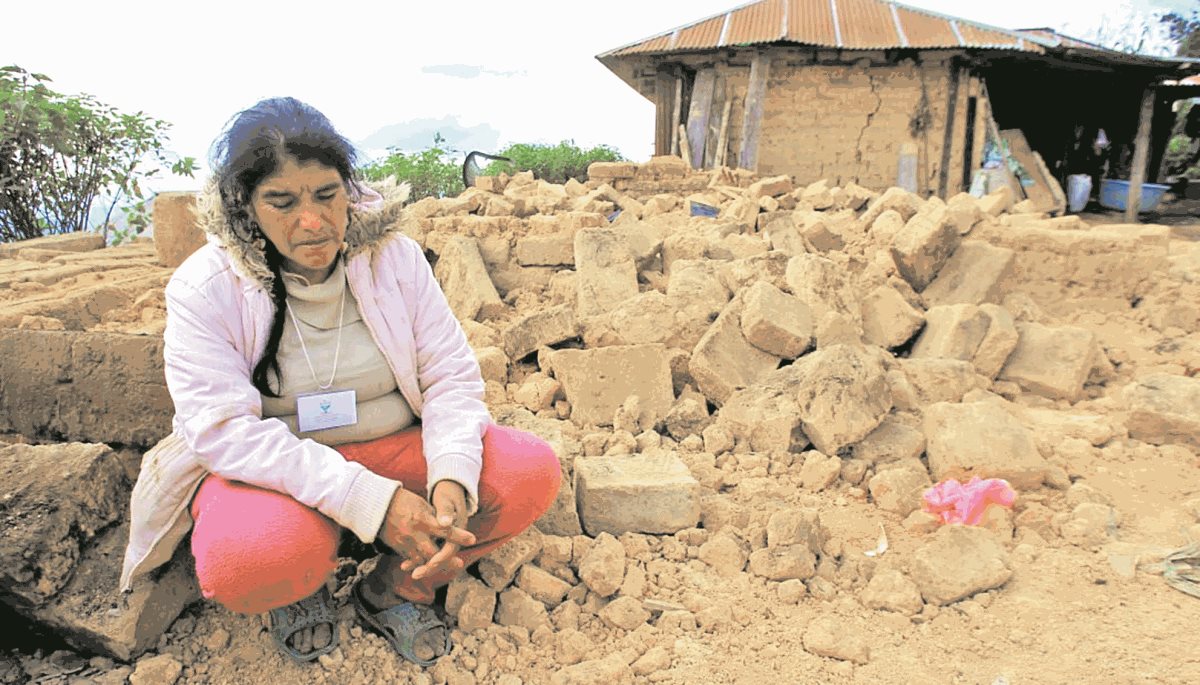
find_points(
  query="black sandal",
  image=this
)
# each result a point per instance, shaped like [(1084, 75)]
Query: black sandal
[(401, 625), (309, 612)]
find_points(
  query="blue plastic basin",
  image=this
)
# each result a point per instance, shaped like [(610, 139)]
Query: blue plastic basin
[(1114, 194)]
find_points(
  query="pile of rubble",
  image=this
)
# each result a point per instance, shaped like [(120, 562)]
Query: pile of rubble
[(745, 380)]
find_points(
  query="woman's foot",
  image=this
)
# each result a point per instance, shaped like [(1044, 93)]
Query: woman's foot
[(306, 629), (430, 637)]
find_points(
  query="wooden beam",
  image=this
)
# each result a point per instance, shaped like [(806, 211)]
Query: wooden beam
[(664, 107), (948, 138), (676, 114), (698, 113), (1141, 156), (713, 134), (723, 138), (752, 115)]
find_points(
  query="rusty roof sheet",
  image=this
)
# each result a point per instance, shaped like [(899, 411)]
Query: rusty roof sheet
[(848, 24)]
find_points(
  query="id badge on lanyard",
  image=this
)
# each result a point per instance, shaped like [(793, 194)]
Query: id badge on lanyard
[(318, 411)]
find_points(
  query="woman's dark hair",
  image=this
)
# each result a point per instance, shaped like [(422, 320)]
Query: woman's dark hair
[(254, 144)]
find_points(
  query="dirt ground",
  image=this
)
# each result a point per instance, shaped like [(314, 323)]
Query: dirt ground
[(1080, 606)]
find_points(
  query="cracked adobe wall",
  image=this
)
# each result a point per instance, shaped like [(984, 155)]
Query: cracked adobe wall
[(847, 122)]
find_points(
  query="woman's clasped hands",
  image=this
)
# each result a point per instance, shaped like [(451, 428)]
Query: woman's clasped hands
[(428, 537)]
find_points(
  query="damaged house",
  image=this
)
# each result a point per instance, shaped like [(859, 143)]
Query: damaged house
[(883, 94)]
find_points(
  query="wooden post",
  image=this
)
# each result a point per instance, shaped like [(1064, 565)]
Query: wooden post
[(675, 116), (1141, 156), (685, 149), (697, 123), (723, 138), (752, 112), (948, 138), (663, 109)]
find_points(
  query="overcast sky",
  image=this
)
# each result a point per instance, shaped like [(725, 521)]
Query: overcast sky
[(485, 73)]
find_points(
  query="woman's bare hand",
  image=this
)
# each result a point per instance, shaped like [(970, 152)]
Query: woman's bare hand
[(450, 508), (411, 527)]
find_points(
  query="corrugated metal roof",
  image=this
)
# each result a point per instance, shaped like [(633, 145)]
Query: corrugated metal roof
[(850, 24)]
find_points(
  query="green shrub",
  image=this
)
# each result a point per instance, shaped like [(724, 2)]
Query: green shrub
[(60, 153), (552, 163), (431, 172)]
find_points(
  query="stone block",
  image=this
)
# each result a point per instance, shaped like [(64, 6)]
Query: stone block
[(822, 285), (464, 278), (562, 518), (57, 498), (598, 381), (891, 441), (978, 272), (177, 233), (517, 608), (891, 590), (773, 186), (500, 566), (888, 319), (493, 364), (963, 212), (923, 247), (743, 212), (797, 526), (784, 563), (606, 273), (92, 615), (843, 395), (941, 380), (723, 361), (546, 250), (984, 336), (895, 199), (541, 328), (542, 585), (472, 602), (1164, 409), (958, 562), (1054, 362), (609, 171), (55, 380), (82, 241), (602, 566), (998, 201), (767, 415), (819, 194), (830, 637), (899, 490), (776, 322), (639, 494), (625, 613), (981, 439)]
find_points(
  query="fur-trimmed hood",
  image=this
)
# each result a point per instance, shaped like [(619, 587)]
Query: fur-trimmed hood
[(372, 218)]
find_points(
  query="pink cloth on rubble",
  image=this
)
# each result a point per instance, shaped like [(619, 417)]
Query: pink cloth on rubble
[(956, 502)]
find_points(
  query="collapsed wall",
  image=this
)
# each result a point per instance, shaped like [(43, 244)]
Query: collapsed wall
[(696, 347)]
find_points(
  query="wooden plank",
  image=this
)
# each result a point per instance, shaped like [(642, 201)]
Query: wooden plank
[(675, 116), (698, 114), (685, 148), (1045, 191), (723, 138), (713, 132), (948, 137), (1141, 155), (756, 95), (664, 89)]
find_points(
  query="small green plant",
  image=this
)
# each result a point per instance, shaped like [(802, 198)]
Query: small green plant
[(432, 172), (552, 163), (60, 153)]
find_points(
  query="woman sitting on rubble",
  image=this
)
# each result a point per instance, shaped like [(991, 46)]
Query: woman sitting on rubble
[(321, 383)]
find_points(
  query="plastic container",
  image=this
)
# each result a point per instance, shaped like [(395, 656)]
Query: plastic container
[(1114, 194), (1079, 190)]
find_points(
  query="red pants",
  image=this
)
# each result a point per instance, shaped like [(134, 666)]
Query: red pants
[(258, 549)]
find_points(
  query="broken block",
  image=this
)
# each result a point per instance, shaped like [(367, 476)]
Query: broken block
[(464, 278), (177, 233), (922, 248), (981, 439), (888, 319), (1164, 409), (606, 273), (1053, 362), (978, 272), (770, 187), (557, 249), (638, 494), (500, 566), (724, 361), (776, 322), (537, 329), (597, 382), (843, 395)]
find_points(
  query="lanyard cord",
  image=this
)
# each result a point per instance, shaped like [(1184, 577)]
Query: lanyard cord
[(337, 350)]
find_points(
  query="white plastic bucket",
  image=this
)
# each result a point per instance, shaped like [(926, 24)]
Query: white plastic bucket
[(1079, 191)]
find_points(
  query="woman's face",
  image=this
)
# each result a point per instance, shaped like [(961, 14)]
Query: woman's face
[(303, 211)]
